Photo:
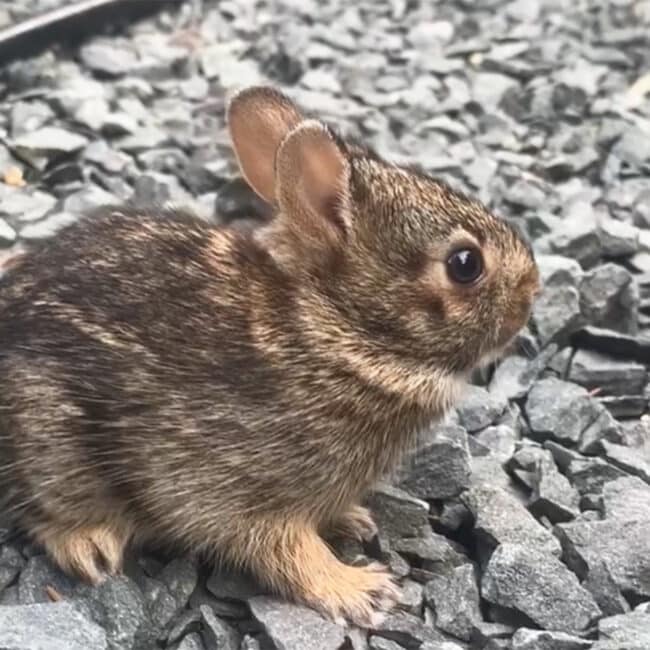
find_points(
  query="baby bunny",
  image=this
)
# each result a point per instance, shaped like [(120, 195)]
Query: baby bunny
[(237, 393)]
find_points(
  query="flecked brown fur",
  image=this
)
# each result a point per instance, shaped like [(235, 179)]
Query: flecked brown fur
[(238, 393)]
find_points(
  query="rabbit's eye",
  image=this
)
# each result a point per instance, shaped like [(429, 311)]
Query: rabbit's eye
[(465, 265)]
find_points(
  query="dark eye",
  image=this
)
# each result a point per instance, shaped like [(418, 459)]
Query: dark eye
[(465, 265)]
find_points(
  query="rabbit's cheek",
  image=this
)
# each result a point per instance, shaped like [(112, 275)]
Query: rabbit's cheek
[(513, 321)]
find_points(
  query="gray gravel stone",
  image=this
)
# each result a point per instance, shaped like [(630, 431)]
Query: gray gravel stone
[(624, 632), (633, 148), (251, 643), (412, 597), (608, 298), (441, 467), (195, 88), (187, 621), (500, 518), (625, 406), (379, 643), (9, 596), (180, 577), (604, 428), (27, 116), (478, 408), (54, 626), (102, 154), (93, 113), (293, 627), (486, 632), (626, 498), (398, 514), (587, 543), (515, 375), (409, 631), (26, 205), (579, 240), (633, 461), (454, 514), (108, 58), (431, 552), (454, 599), (557, 313), (520, 578), (230, 585), (190, 642), (11, 563), (618, 238), (488, 90), (88, 198), (589, 475), (159, 602), (560, 410), (144, 138), (601, 585), (559, 270), (219, 634), (611, 376), (525, 639), (500, 440), (38, 574), (50, 140), (117, 604), (526, 194), (553, 495)]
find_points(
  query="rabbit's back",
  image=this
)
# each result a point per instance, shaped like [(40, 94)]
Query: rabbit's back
[(119, 367), (142, 370)]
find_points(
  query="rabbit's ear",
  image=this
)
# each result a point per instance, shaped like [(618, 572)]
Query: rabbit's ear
[(313, 186), (259, 119)]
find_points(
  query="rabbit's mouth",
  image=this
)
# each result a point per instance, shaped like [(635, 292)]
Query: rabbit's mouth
[(490, 357), (505, 345)]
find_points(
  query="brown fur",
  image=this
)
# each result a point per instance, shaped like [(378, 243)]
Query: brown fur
[(237, 394)]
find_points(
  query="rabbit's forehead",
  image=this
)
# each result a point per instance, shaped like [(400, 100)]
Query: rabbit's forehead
[(406, 201)]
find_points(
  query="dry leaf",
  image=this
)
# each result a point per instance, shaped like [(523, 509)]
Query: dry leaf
[(14, 177), (53, 594)]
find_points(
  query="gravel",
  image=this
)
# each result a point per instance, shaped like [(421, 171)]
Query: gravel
[(524, 520), (479, 408), (601, 585), (441, 468), (219, 634), (630, 630), (553, 496), (55, 626), (610, 376), (500, 518), (121, 609), (454, 599), (622, 545), (520, 577), (294, 627), (525, 639), (561, 411), (11, 564)]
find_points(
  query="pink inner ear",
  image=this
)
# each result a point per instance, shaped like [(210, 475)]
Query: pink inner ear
[(259, 119), (325, 176)]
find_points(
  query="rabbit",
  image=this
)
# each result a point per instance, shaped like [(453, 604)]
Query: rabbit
[(238, 392)]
